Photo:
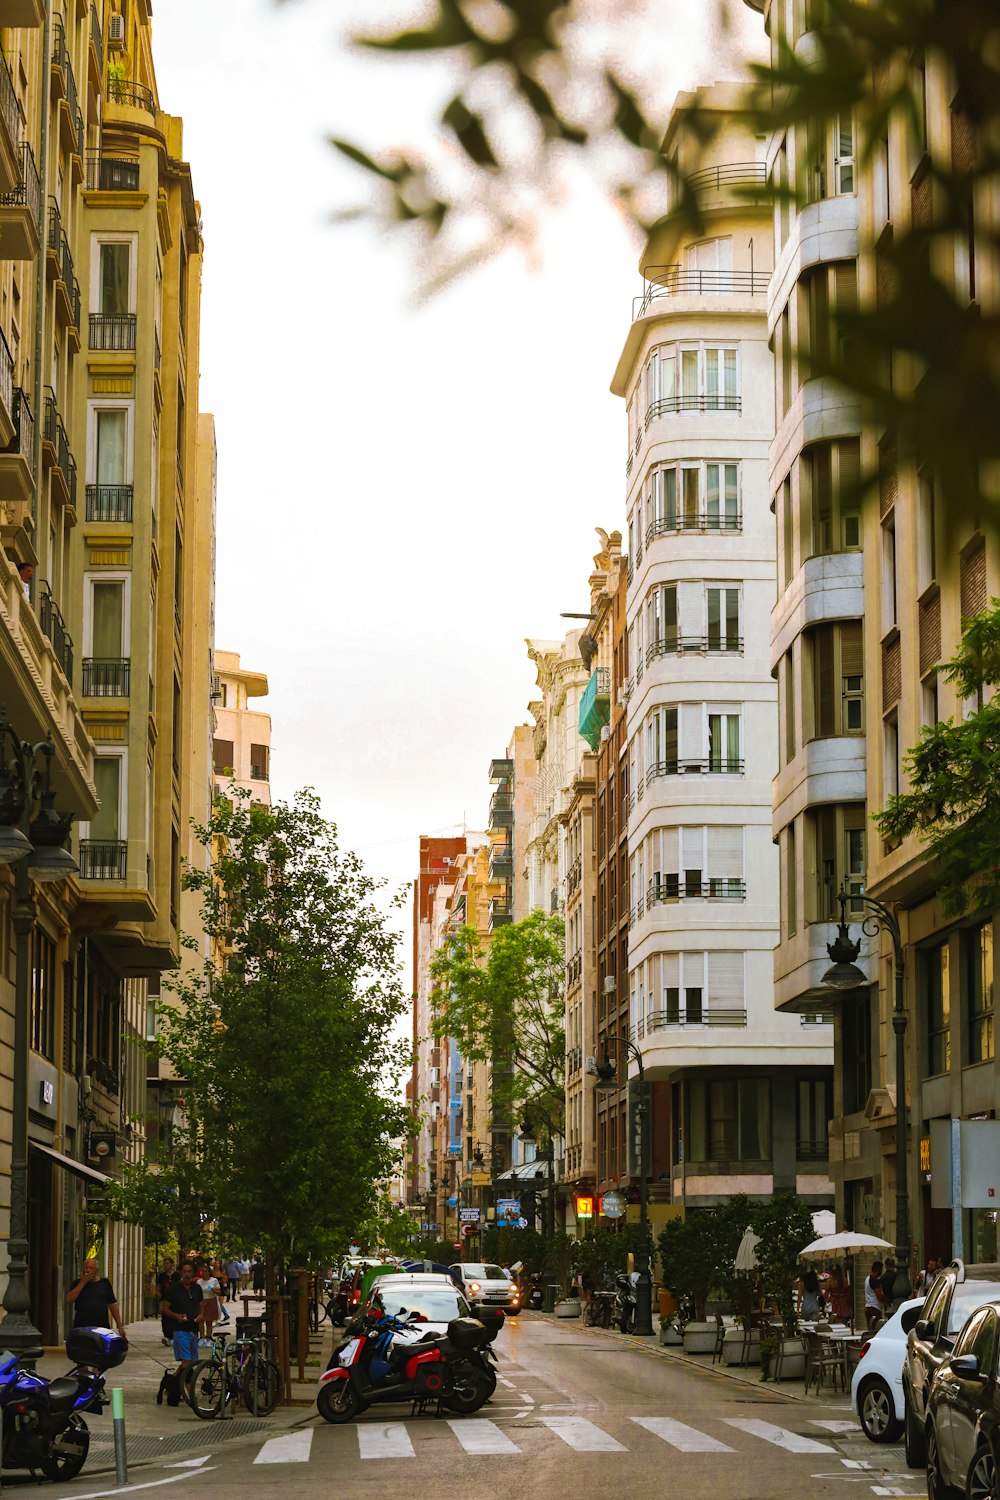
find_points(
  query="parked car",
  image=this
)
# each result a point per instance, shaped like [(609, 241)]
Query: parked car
[(963, 1413), (434, 1298), (877, 1382), (488, 1285), (956, 1291)]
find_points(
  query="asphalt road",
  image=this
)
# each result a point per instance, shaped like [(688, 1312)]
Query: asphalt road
[(574, 1412)]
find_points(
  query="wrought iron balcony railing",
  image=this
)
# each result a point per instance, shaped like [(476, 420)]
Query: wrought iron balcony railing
[(28, 193), (106, 676), (112, 331), (729, 174), (694, 645), (54, 626), (112, 174), (671, 887), (109, 502), (716, 765), (682, 281), (137, 95), (96, 37), (103, 859), (671, 406), (704, 1015), (10, 110), (671, 525), (6, 377), (23, 441)]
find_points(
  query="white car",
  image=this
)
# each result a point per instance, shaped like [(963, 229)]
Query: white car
[(877, 1383), (487, 1285)]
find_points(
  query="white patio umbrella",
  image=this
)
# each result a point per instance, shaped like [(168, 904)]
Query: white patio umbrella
[(848, 1242), (746, 1255), (824, 1221)]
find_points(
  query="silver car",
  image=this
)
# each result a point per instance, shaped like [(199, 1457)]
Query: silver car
[(488, 1286)]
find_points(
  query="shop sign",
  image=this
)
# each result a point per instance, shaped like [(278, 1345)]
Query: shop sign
[(508, 1211)]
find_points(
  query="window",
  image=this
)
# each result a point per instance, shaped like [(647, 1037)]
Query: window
[(856, 1051), (175, 875), (844, 159), (111, 426), (838, 681), (787, 530), (832, 471), (693, 497), (260, 762), (890, 758), (661, 621), (724, 742), (43, 993), (104, 826), (812, 1128), (888, 574), (926, 532), (791, 901), (692, 378), (789, 703), (729, 1120), (785, 362), (854, 867), (933, 981), (839, 834), (977, 983), (723, 615), (223, 757), (115, 279)]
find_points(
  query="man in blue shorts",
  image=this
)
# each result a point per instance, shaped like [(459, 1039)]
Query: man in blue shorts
[(180, 1307)]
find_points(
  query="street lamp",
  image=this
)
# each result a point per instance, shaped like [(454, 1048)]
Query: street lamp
[(607, 1078), (846, 975), (32, 835)]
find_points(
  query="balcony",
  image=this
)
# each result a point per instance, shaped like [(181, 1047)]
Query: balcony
[(132, 95), (6, 392), (806, 1150), (112, 332), (501, 769), (54, 626), (106, 676), (55, 448), (501, 809), (574, 874), (672, 406), (59, 263), (733, 174), (671, 888), (595, 706), (501, 862), (64, 89), (11, 130), (112, 174), (103, 859), (720, 765), (675, 525), (695, 645), (22, 12), (95, 56), (665, 282), (21, 211), (680, 1016), (500, 914), (109, 502), (17, 457)]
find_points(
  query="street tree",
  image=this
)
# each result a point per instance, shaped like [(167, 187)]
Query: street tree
[(953, 774), (286, 1049), (534, 86), (503, 1005)]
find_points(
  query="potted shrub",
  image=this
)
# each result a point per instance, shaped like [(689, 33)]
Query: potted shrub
[(768, 1348), (784, 1226), (562, 1252), (671, 1330)]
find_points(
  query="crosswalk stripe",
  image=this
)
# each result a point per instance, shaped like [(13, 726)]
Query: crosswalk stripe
[(291, 1448), (836, 1426), (779, 1436), (583, 1436), (477, 1435), (384, 1440), (685, 1439)]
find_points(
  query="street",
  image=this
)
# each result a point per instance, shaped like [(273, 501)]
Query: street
[(573, 1407)]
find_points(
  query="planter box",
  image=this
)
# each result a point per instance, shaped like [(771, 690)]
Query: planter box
[(671, 1337), (732, 1347), (793, 1361), (569, 1307), (699, 1338)]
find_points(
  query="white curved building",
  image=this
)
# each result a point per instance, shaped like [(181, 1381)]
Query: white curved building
[(741, 1093)]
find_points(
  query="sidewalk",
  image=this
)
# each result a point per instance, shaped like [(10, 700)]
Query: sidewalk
[(160, 1432), (741, 1374)]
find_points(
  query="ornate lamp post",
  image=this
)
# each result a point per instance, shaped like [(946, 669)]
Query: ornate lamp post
[(846, 975), (607, 1078), (32, 835)]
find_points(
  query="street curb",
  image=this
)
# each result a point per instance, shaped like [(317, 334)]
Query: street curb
[(658, 1351)]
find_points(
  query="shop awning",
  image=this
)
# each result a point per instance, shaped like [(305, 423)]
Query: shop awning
[(86, 1174), (526, 1171)]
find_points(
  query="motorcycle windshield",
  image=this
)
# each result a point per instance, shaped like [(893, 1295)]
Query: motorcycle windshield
[(8, 1365)]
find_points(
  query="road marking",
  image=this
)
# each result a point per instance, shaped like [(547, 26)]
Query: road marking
[(837, 1426), (152, 1484), (504, 1381), (189, 1463), (583, 1436), (685, 1439), (384, 1440), (480, 1436), (291, 1448), (526, 1399), (779, 1436)]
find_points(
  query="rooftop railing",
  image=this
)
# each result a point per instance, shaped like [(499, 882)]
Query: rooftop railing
[(684, 281)]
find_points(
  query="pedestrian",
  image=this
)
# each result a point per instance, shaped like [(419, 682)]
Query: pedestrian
[(163, 1280), (922, 1280), (259, 1277), (840, 1294), (219, 1275), (94, 1302), (210, 1290), (182, 1308), (874, 1301), (232, 1277), (888, 1280), (811, 1304), (244, 1274)]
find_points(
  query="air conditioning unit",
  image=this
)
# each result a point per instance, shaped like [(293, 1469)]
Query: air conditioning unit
[(116, 33), (605, 733), (590, 1066)]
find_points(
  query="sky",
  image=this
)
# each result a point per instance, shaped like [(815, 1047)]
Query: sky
[(406, 490)]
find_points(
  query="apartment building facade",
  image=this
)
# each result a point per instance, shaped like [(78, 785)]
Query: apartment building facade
[(99, 312), (749, 1089), (875, 581)]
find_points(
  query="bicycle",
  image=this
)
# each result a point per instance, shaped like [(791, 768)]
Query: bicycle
[(238, 1369)]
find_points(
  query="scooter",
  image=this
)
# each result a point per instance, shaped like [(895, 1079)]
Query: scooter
[(536, 1296), (388, 1360), (625, 1301), (43, 1429)]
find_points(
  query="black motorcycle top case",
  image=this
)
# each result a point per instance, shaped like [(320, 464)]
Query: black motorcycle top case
[(467, 1333), (98, 1347)]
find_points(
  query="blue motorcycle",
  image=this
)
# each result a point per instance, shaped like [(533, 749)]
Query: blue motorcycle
[(43, 1429)]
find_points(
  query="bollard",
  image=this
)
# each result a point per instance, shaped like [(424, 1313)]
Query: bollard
[(118, 1415)]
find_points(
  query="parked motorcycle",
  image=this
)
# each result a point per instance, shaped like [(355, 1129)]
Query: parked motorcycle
[(624, 1313), (388, 1359), (43, 1429), (536, 1296)]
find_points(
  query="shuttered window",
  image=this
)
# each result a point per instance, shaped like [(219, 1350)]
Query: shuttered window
[(930, 632), (726, 982), (921, 202), (891, 681), (887, 478), (725, 852), (885, 271), (972, 579)]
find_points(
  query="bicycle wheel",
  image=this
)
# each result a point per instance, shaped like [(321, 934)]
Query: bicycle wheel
[(606, 1313), (322, 1313), (590, 1317), (207, 1386), (261, 1387)]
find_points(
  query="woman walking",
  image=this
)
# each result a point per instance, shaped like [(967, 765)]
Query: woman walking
[(209, 1310)]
